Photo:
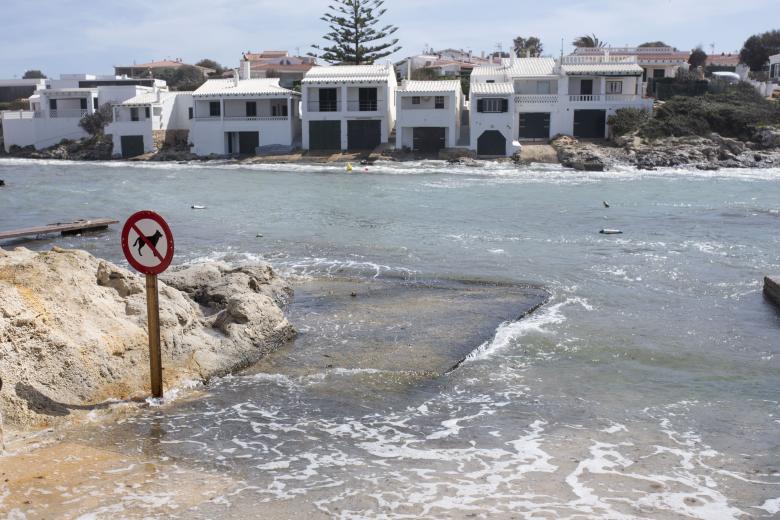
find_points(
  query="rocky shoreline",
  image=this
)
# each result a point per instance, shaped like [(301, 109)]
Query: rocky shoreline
[(704, 153), (707, 153), (73, 329)]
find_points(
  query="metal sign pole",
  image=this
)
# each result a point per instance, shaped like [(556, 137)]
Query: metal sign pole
[(153, 323)]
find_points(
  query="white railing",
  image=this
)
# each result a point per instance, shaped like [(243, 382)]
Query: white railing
[(536, 98), (255, 118), (575, 59), (67, 113), (586, 98), (17, 114), (623, 97)]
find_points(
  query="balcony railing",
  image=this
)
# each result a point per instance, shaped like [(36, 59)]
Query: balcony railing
[(323, 106), (536, 98), (579, 98), (363, 106), (18, 114), (73, 112)]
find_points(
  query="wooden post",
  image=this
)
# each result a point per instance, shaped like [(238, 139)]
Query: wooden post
[(153, 324)]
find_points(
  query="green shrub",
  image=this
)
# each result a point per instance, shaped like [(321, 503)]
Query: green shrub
[(627, 120), (735, 112)]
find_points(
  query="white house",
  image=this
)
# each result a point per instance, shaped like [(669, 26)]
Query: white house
[(538, 98), (428, 115), (774, 68), (55, 113), (148, 121), (656, 62), (348, 107), (241, 115)]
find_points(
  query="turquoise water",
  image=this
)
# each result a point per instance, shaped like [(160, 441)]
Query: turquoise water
[(646, 388)]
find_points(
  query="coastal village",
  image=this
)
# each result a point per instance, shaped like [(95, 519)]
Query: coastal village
[(447, 103)]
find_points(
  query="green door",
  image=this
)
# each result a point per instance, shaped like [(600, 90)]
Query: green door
[(428, 139), (491, 142), (534, 125), (590, 124), (364, 134), (248, 142), (132, 145), (324, 135)]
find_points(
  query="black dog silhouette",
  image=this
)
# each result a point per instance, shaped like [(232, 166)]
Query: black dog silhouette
[(152, 239)]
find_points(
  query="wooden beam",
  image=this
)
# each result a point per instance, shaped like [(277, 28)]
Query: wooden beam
[(65, 228)]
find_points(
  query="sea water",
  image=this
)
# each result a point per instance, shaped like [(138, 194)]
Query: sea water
[(647, 387)]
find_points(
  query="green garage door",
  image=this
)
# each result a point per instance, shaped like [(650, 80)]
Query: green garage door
[(590, 124), (364, 134), (428, 140), (491, 142), (132, 145), (248, 142), (534, 125), (324, 135)]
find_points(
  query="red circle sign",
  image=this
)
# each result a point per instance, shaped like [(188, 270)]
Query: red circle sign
[(147, 242)]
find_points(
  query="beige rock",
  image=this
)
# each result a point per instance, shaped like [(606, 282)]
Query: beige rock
[(73, 329)]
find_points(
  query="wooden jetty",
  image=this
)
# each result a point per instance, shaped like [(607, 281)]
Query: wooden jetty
[(64, 228)]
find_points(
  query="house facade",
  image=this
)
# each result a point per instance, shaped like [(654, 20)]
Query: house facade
[(149, 121), (279, 64), (55, 113), (526, 99), (348, 107), (428, 115), (242, 116), (656, 62), (774, 68)]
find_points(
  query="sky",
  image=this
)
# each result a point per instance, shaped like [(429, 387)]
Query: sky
[(77, 36)]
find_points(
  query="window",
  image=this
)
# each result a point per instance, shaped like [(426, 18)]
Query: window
[(415, 100), (328, 100), (543, 87), (439, 102), (83, 103), (490, 81), (147, 112), (214, 110), (95, 103), (134, 114), (659, 73), (614, 87), (52, 104), (189, 112), (492, 105), (279, 110), (367, 100), (251, 109)]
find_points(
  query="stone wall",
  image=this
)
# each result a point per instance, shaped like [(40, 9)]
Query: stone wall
[(170, 139)]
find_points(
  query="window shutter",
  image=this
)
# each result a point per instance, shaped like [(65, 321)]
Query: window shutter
[(480, 105), (505, 105), (83, 103)]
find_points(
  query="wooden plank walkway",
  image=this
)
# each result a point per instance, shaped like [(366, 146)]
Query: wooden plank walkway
[(65, 228)]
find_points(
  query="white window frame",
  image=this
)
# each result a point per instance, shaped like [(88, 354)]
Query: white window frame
[(415, 100), (492, 105), (615, 87), (438, 100)]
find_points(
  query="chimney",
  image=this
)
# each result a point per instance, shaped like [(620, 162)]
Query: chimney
[(246, 69), (157, 94), (235, 77)]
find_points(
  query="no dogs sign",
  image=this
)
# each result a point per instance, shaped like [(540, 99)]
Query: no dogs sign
[(147, 242)]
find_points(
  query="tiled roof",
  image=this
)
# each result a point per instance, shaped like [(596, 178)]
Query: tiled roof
[(255, 87), (728, 60), (497, 89), (429, 86), (148, 98), (349, 73), (530, 67), (600, 68)]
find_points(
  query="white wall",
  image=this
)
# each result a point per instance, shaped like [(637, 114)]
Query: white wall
[(208, 137), (40, 132), (426, 115)]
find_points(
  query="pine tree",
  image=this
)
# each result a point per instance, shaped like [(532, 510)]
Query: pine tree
[(354, 37)]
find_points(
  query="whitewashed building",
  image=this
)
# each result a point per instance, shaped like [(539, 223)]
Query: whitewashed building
[(147, 122), (656, 62), (348, 107), (428, 115), (242, 116), (774, 68), (55, 114), (538, 98)]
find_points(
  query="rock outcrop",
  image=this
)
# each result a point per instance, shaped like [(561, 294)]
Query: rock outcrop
[(94, 149), (73, 329)]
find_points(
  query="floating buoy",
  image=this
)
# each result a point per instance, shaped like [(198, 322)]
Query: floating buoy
[(195, 206), (611, 232), (605, 203), (349, 167), (259, 235)]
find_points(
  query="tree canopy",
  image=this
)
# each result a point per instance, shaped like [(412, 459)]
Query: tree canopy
[(94, 124), (758, 48), (34, 74), (354, 36), (530, 47), (698, 57), (657, 43), (211, 64), (589, 40)]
